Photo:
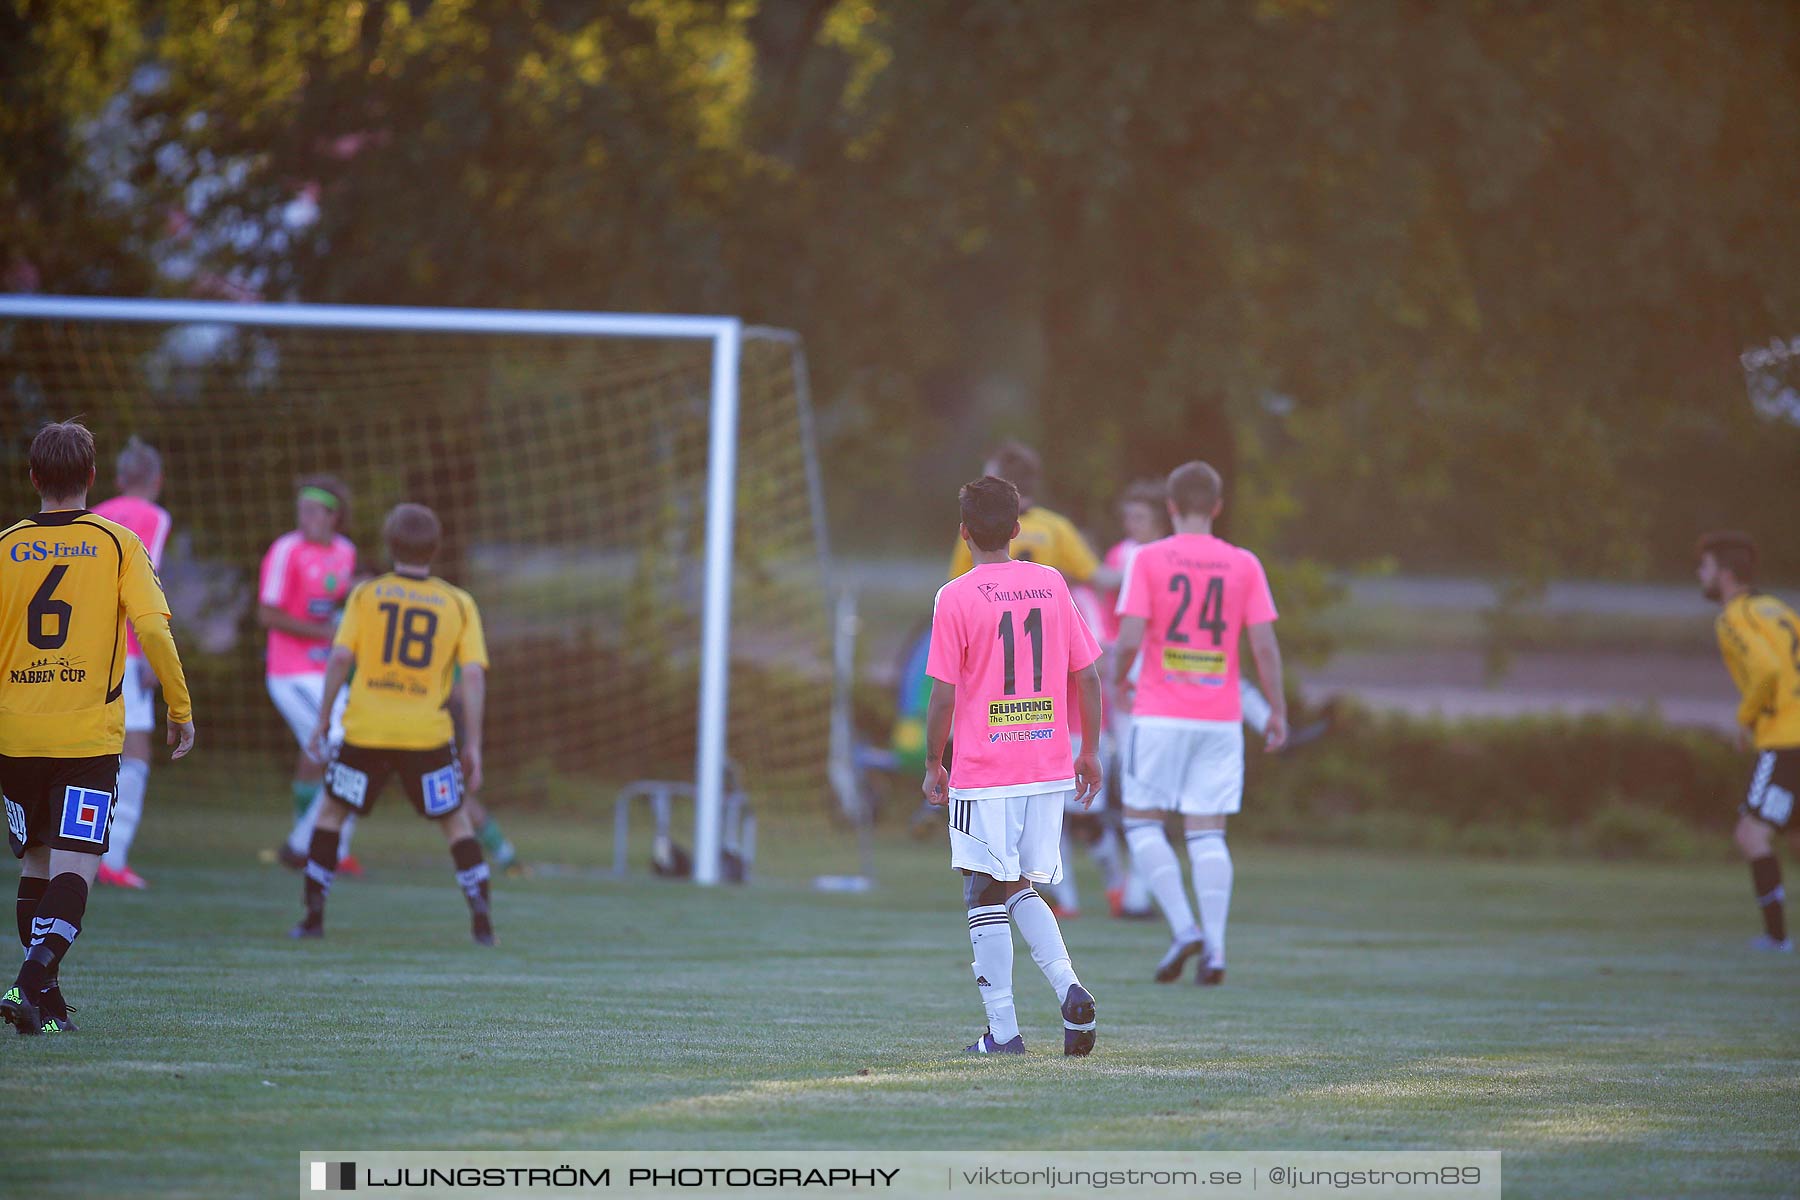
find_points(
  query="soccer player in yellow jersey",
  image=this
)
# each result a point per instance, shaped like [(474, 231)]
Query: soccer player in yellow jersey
[(1044, 536), (69, 581), (1759, 637), (405, 634)]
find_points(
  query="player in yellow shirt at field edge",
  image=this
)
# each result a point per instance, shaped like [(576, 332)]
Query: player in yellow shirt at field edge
[(69, 581), (1759, 637)]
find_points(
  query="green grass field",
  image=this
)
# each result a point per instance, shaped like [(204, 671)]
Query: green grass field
[(1602, 1025)]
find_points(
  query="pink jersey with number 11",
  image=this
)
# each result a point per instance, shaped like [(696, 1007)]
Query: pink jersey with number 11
[(1196, 593), (1007, 635)]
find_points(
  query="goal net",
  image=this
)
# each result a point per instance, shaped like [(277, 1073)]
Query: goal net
[(571, 473)]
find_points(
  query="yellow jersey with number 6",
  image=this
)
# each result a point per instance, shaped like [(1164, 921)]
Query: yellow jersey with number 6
[(409, 635), (1759, 637), (69, 581)]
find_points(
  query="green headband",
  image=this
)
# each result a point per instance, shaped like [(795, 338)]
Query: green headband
[(321, 496)]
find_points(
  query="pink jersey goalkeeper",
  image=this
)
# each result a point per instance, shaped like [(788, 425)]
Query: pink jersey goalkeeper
[(151, 522), (1007, 635), (309, 581), (1196, 594)]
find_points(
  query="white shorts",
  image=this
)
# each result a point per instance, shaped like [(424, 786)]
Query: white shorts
[(1195, 768), (1009, 837), (140, 696), (297, 699)]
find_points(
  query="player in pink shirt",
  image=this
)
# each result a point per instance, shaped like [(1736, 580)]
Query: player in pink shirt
[(1009, 652), (140, 479), (1185, 602), (306, 574)]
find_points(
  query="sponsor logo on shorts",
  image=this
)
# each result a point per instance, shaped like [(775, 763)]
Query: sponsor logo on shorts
[(85, 814), (15, 821), (1041, 711), (441, 791), (1193, 662), (1021, 735), (347, 784)]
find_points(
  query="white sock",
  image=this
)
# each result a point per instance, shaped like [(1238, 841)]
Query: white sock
[(1154, 856), (1037, 925), (991, 936), (1211, 860), (300, 837), (1065, 892), (1105, 854), (128, 811)]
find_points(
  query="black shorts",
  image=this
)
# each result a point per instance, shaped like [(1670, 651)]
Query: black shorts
[(62, 803), (1772, 787), (432, 778)]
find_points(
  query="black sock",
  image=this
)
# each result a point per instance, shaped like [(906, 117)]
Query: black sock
[(1765, 876), (54, 928), (30, 892), (471, 874), (321, 868)]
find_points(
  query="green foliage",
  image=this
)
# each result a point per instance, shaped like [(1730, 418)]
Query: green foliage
[(1459, 284), (1610, 786)]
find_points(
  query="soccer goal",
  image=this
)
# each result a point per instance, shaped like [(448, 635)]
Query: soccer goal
[(634, 500)]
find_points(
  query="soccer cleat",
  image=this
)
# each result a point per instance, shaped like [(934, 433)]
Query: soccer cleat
[(1769, 945), (19, 1012), (290, 858), (349, 866), (482, 930), (986, 1044), (124, 877), (1168, 970), (307, 929), (1209, 974), (1064, 914), (1078, 1021), (54, 1010)]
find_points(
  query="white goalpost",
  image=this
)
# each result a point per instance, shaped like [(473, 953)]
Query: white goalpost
[(724, 339)]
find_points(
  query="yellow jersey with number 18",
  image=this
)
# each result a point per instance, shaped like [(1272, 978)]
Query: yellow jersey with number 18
[(69, 581), (409, 635)]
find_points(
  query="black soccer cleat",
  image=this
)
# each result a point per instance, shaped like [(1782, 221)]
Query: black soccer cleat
[(55, 1010), (1209, 974), (1078, 1021), (290, 858), (1169, 968), (17, 1010), (306, 930), (482, 930)]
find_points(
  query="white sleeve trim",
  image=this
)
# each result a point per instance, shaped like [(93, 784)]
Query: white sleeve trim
[(274, 582)]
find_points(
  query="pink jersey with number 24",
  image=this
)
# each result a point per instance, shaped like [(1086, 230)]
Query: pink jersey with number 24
[(1196, 593), (1007, 635)]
